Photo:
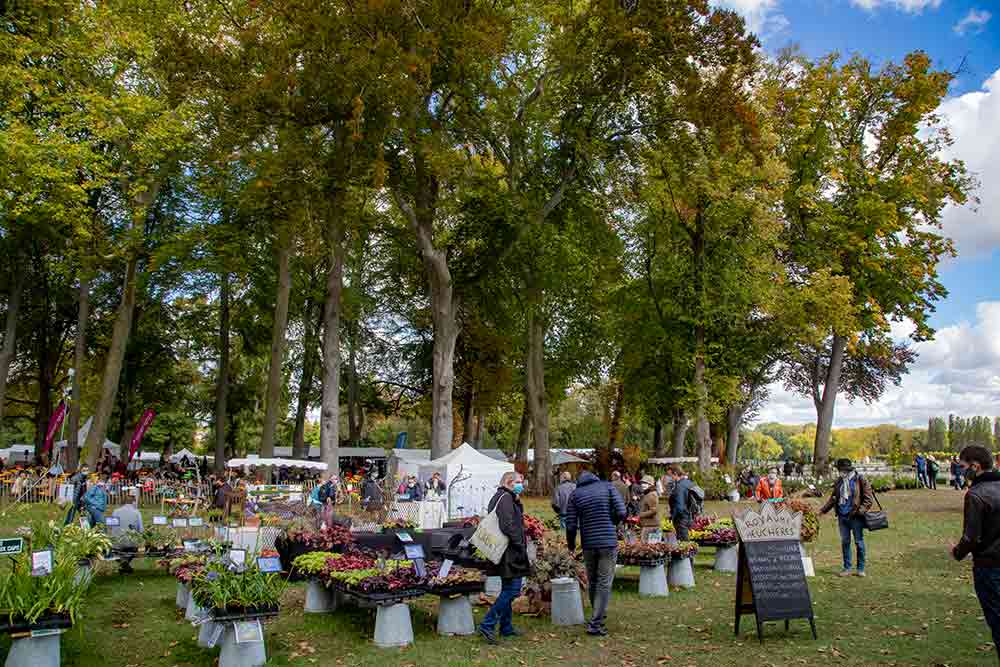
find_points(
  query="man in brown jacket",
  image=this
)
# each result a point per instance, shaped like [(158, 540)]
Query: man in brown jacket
[(851, 497), (649, 508)]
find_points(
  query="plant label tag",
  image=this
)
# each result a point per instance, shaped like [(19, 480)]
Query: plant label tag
[(269, 564), (445, 568), (84, 523), (159, 520), (418, 565), (191, 545), (248, 632), (216, 635), (11, 546), (654, 538), (414, 551), (404, 537), (196, 522), (237, 558), (41, 563), (112, 521), (180, 523), (46, 633)]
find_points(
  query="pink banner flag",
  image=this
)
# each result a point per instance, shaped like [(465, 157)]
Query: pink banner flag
[(140, 430), (54, 424)]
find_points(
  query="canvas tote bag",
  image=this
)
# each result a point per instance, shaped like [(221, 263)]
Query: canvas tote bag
[(489, 539)]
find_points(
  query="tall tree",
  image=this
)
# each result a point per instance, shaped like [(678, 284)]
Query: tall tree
[(866, 191)]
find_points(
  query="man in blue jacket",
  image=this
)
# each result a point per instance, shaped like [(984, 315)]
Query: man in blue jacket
[(595, 508)]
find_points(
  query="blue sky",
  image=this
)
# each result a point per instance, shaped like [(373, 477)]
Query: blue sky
[(959, 371)]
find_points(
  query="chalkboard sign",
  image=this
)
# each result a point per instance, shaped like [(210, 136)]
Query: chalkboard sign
[(770, 579)]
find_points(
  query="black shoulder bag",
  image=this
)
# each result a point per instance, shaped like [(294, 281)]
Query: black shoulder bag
[(875, 520)]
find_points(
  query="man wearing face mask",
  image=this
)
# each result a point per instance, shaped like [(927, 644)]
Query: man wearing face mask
[(513, 565), (769, 488), (981, 532), (852, 496)]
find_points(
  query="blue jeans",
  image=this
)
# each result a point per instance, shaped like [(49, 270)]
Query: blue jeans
[(96, 517), (501, 611), (987, 583), (855, 526)]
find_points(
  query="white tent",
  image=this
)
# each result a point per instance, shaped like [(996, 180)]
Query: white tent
[(254, 460), (471, 476), (191, 456)]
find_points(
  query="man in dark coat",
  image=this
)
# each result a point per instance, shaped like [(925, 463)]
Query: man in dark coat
[(595, 508), (513, 565), (981, 532), (560, 496)]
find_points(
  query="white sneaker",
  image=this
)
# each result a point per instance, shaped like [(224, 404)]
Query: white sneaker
[(844, 573)]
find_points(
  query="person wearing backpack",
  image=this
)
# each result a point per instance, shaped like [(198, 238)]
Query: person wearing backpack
[(683, 502)]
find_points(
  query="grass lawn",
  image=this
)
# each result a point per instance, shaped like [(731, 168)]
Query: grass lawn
[(916, 607)]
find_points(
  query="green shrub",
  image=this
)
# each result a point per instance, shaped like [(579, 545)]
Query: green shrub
[(907, 482), (882, 484), (713, 483)]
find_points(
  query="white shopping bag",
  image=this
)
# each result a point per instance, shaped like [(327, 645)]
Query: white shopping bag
[(489, 539)]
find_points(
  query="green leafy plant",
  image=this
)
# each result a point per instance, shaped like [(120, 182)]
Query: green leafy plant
[(159, 538), (312, 564), (26, 599), (220, 588)]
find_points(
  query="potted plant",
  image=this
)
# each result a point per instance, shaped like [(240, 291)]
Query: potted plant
[(534, 532), (319, 599), (555, 562), (400, 525)]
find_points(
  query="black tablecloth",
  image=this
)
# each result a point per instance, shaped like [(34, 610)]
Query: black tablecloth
[(434, 541)]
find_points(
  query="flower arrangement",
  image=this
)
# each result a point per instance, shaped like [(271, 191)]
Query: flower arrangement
[(667, 526), (810, 518), (718, 532), (683, 550), (534, 529), (398, 524)]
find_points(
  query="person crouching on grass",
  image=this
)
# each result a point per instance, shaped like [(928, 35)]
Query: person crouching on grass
[(852, 496), (981, 533)]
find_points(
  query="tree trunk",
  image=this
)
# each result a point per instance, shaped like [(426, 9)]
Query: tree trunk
[(329, 425), (734, 419), (354, 418), (222, 381), (679, 435), (79, 351), (480, 427), (444, 302), (614, 417), (10, 332), (659, 444), (703, 438), (113, 366), (274, 375), (718, 434), (824, 406), (468, 416), (300, 450), (524, 434), (539, 403)]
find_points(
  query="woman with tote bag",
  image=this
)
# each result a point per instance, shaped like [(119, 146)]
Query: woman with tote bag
[(513, 565)]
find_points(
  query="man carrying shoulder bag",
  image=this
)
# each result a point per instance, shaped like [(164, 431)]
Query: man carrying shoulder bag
[(852, 497)]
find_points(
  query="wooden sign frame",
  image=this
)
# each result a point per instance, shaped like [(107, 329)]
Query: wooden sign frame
[(776, 530)]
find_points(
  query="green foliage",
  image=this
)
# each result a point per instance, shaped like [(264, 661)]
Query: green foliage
[(219, 588), (882, 483)]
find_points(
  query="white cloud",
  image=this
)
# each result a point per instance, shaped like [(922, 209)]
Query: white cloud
[(762, 16), (974, 122), (973, 22), (956, 373), (909, 6)]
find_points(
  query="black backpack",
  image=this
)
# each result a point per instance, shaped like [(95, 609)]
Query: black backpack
[(695, 500)]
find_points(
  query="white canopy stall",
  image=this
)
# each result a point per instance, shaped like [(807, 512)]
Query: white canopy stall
[(471, 476)]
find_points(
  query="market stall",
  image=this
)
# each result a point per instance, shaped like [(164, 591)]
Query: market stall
[(471, 478)]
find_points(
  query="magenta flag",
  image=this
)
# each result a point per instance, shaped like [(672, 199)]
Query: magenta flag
[(54, 424), (140, 430)]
